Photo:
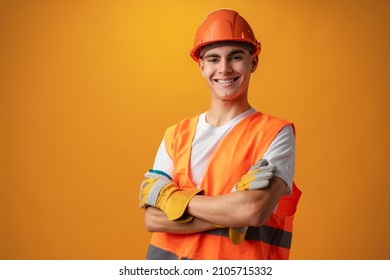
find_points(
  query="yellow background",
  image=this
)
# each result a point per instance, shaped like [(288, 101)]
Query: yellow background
[(87, 89)]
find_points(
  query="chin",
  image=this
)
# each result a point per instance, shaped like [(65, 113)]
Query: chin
[(229, 96)]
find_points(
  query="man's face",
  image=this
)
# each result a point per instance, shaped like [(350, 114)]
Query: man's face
[(227, 70)]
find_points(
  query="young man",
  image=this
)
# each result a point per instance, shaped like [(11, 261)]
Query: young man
[(222, 182)]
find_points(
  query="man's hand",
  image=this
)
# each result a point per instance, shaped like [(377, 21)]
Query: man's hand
[(258, 177), (159, 191)]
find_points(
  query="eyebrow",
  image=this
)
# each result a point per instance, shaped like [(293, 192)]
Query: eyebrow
[(234, 52)]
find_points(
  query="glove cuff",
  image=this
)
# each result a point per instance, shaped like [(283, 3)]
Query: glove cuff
[(177, 202), (157, 187), (237, 235)]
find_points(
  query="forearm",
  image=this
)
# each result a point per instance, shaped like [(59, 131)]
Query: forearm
[(238, 209), (156, 221), (229, 210)]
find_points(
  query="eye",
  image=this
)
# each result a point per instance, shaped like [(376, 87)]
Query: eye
[(236, 58), (212, 60)]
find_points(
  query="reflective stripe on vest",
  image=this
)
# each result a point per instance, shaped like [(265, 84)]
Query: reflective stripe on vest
[(242, 147), (266, 234)]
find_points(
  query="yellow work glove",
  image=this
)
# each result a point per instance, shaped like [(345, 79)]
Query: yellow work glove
[(151, 177), (258, 177), (161, 192)]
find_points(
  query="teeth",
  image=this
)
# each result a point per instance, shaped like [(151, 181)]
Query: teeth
[(225, 81)]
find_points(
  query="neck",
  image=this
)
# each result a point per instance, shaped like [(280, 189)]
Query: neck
[(222, 111)]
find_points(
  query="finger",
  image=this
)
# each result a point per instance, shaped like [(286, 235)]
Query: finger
[(258, 185), (263, 175), (267, 168), (260, 163)]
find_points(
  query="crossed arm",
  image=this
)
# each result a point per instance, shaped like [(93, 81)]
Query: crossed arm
[(236, 209)]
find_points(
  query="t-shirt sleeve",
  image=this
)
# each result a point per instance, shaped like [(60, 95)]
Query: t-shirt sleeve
[(163, 161), (281, 154)]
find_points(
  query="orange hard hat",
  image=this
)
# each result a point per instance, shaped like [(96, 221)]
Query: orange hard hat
[(223, 25)]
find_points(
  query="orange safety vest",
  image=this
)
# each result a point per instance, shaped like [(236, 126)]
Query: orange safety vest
[(242, 147)]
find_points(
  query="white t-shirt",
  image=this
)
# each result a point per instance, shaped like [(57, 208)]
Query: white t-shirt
[(281, 152)]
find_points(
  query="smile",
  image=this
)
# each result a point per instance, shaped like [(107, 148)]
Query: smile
[(226, 82)]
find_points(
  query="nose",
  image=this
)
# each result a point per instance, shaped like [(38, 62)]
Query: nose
[(225, 67)]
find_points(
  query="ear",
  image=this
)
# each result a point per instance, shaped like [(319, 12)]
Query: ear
[(201, 65), (255, 62)]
